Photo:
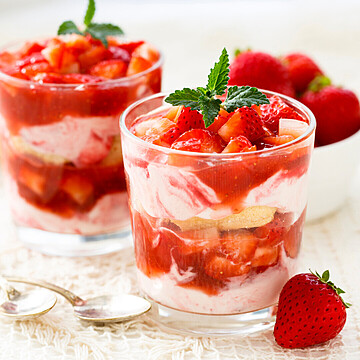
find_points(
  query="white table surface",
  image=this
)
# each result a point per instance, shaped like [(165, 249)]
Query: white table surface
[(191, 35)]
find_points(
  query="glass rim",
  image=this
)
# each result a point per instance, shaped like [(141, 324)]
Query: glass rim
[(6, 77), (297, 104)]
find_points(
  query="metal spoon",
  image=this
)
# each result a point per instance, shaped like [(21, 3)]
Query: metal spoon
[(26, 304), (105, 308)]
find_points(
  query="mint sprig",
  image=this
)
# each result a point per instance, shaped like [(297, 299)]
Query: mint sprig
[(205, 99), (97, 31), (324, 278)]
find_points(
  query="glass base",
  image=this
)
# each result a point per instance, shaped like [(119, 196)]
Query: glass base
[(211, 325), (73, 244)]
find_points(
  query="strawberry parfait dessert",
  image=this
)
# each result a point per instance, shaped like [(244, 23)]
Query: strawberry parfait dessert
[(60, 100), (217, 180)]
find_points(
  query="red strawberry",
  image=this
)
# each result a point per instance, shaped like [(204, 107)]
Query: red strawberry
[(219, 121), (337, 112), (221, 268), (199, 140), (239, 246), (277, 109), (244, 121), (302, 70), (310, 311), (130, 46), (137, 65), (260, 70), (109, 69), (239, 144), (189, 119)]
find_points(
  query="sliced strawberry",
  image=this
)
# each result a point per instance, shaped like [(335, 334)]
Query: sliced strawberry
[(221, 268), (137, 65), (239, 246), (163, 132), (129, 46), (77, 43), (30, 60), (79, 188), (118, 53), (189, 119), (147, 52), (34, 69), (277, 109), (291, 127), (219, 121), (277, 140), (92, 56), (174, 112), (199, 140), (54, 52), (265, 256), (244, 121), (30, 48), (239, 144), (109, 69)]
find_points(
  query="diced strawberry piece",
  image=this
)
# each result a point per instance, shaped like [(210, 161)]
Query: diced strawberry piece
[(174, 112), (109, 69), (69, 63), (48, 78), (221, 268), (239, 144), (239, 246), (92, 56), (147, 52), (30, 48), (219, 121), (118, 53), (277, 140), (199, 140), (188, 119), (34, 69), (80, 189), (77, 43), (162, 132), (33, 180), (277, 109), (79, 78), (244, 121), (291, 127), (129, 47), (265, 256), (54, 52), (30, 60), (138, 65)]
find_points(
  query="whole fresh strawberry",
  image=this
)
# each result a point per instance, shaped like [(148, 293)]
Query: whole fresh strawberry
[(337, 111), (310, 311), (260, 70), (302, 70)]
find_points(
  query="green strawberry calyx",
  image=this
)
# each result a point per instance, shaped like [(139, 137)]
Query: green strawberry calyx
[(324, 278), (318, 83)]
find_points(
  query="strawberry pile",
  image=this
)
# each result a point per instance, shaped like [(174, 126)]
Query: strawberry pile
[(75, 58), (310, 311), (243, 130), (337, 110)]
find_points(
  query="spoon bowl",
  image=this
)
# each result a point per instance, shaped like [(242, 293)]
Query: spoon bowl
[(28, 304)]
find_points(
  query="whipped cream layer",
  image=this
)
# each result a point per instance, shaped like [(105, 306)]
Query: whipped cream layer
[(81, 140), (110, 213), (164, 191), (240, 296)]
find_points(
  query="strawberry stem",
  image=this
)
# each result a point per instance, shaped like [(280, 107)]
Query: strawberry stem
[(324, 278), (319, 83)]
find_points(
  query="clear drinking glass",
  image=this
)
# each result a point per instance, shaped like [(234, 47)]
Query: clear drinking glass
[(216, 235), (63, 164)]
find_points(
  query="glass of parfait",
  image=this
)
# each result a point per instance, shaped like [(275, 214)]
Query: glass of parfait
[(60, 100), (217, 219)]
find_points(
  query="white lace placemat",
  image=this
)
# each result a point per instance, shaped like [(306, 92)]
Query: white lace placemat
[(333, 243)]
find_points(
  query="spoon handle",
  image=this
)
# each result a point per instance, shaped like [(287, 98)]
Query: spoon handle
[(68, 295)]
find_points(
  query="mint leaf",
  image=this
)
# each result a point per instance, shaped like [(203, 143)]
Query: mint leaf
[(209, 108), (239, 96), (101, 31), (187, 97), (68, 27), (90, 12), (219, 75)]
